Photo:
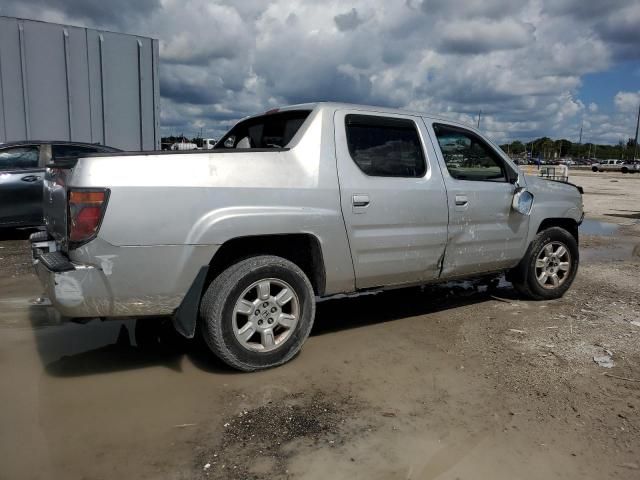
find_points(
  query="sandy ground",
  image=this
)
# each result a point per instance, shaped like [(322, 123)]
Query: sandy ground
[(611, 197), (455, 382)]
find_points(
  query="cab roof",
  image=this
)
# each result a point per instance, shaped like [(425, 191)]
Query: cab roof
[(365, 108)]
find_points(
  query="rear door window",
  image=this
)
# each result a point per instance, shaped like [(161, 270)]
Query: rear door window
[(272, 130), (385, 146), (19, 158)]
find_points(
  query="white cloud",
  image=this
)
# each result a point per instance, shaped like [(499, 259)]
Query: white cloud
[(480, 35), (519, 61), (627, 101)]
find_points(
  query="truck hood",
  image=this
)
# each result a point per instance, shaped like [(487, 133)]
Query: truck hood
[(543, 184)]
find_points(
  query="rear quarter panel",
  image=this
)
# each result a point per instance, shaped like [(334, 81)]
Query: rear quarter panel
[(208, 198)]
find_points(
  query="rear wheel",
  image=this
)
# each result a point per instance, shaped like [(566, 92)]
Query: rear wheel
[(595, 169), (549, 266), (258, 313), (625, 170)]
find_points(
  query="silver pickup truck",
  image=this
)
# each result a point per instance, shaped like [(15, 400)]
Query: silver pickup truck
[(297, 204)]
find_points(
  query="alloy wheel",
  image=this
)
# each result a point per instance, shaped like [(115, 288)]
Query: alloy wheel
[(553, 265), (265, 315)]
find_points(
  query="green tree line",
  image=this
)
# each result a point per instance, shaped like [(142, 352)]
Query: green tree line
[(548, 148)]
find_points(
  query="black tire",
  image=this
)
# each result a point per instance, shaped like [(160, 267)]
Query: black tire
[(625, 170), (523, 277), (595, 169), (219, 300)]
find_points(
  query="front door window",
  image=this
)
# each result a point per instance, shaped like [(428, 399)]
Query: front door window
[(468, 157)]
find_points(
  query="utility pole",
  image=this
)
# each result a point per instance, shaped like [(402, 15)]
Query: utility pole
[(479, 115), (580, 140), (635, 146)]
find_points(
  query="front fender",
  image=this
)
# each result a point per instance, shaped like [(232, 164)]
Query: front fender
[(552, 200)]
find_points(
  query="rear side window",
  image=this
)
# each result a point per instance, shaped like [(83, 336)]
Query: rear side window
[(72, 150), (272, 130), (19, 158), (384, 146)]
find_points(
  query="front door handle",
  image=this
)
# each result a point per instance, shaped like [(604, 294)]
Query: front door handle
[(461, 200), (30, 178), (360, 200)]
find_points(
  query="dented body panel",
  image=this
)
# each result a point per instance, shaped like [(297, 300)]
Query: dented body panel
[(112, 281), (552, 200), (169, 213)]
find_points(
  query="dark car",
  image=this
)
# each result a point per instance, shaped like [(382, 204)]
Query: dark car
[(22, 167)]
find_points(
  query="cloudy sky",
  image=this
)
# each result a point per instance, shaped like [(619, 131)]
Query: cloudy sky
[(534, 67)]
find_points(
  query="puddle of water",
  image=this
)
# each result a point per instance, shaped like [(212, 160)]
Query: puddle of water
[(595, 227), (617, 253)]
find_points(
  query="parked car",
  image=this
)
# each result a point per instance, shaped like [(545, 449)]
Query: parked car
[(308, 201), (22, 166), (179, 146), (630, 166), (611, 165), (208, 143)]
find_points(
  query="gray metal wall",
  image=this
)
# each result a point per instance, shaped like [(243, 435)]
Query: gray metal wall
[(59, 82)]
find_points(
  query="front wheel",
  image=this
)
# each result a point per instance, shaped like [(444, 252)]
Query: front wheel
[(257, 313), (549, 266)]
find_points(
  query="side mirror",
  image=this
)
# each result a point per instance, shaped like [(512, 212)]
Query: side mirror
[(522, 201)]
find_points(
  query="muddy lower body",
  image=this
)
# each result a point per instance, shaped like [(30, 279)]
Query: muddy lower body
[(457, 381)]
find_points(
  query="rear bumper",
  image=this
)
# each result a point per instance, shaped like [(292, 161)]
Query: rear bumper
[(75, 293), (103, 280), (74, 290)]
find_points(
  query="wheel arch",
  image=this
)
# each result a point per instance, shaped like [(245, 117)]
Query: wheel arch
[(519, 276), (569, 224), (303, 249)]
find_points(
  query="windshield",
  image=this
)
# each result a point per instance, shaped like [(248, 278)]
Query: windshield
[(272, 130)]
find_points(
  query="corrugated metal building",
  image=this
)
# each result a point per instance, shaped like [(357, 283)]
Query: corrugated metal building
[(59, 82)]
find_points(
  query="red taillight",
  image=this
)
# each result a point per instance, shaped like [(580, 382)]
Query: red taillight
[(86, 208)]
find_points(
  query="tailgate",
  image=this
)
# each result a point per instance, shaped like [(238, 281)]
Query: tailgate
[(55, 199)]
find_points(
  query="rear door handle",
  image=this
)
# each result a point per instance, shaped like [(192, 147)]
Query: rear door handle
[(461, 200), (30, 178), (360, 200)]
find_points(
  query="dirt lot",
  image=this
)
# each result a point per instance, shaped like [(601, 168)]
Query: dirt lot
[(454, 382)]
